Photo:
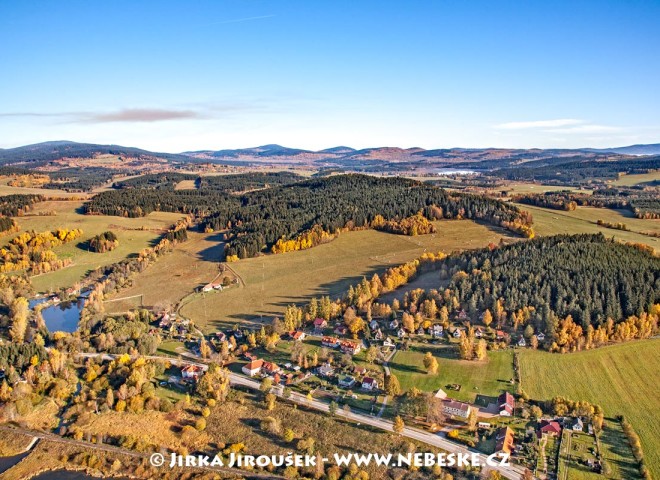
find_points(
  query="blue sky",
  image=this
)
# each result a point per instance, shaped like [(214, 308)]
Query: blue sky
[(184, 75)]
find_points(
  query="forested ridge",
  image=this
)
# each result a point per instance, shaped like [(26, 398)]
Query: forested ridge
[(257, 220), (643, 202)]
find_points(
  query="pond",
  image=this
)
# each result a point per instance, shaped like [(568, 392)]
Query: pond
[(64, 316), (7, 462)]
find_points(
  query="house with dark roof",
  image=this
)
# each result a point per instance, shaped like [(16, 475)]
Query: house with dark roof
[(504, 440)]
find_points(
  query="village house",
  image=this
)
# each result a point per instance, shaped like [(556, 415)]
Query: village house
[(394, 324), (270, 368), (346, 381), (331, 342), (401, 333), (437, 330), (522, 342), (500, 335), (373, 325), (420, 331), (212, 286), (191, 372), (504, 440), (253, 368), (478, 332), (341, 329), (389, 343), (351, 346), (249, 356), (221, 336), (506, 403), (320, 324), (540, 336), (358, 370), (462, 315), (297, 336), (456, 409), (549, 427), (325, 370), (378, 334), (577, 426), (369, 383), (457, 333)]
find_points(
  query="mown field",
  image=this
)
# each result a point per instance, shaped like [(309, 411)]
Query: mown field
[(628, 180), (271, 282), (489, 377), (583, 220), (621, 378), (192, 264), (134, 234)]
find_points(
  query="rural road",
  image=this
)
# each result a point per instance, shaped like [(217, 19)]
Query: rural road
[(512, 472)]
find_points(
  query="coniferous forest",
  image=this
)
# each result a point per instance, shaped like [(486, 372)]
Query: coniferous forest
[(257, 219), (588, 277)]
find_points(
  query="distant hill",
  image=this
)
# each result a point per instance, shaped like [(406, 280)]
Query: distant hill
[(51, 151), (648, 149)]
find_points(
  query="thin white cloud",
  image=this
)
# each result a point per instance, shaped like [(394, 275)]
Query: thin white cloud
[(589, 128), (561, 122)]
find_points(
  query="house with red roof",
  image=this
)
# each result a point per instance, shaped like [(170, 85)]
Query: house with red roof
[(506, 403), (549, 427), (253, 368)]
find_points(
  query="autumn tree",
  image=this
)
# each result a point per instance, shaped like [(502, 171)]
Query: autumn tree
[(430, 364), (392, 386), (398, 425), (19, 316)]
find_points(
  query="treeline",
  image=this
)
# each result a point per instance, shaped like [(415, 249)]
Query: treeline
[(134, 202), (643, 202), (103, 242), (223, 183), (33, 251), (612, 225), (556, 201), (157, 181), (636, 447), (578, 171), (7, 225), (17, 205)]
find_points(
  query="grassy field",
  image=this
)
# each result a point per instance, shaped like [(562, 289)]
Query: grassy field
[(583, 220), (192, 264), (134, 234), (487, 378), (519, 188), (269, 283), (628, 180), (619, 378), (46, 192)]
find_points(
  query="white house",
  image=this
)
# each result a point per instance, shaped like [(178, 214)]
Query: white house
[(369, 383), (253, 368), (522, 342), (346, 381), (191, 372), (388, 342), (456, 409), (457, 333), (578, 426), (540, 336)]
